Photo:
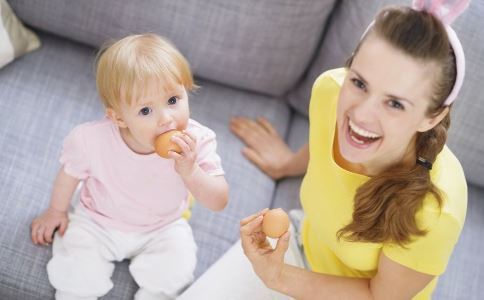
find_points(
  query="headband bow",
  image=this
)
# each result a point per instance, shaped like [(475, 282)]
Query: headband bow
[(447, 11)]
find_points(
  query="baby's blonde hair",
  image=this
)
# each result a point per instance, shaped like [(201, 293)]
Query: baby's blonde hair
[(127, 66)]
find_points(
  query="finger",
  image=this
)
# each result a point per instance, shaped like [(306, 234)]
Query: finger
[(246, 235), (266, 125), (63, 227), (48, 235), (188, 140), (33, 233), (255, 127), (174, 155), (190, 135), (254, 157), (246, 126), (181, 142), (238, 127), (39, 234), (250, 228), (253, 216), (282, 246)]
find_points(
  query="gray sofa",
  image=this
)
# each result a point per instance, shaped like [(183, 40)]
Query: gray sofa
[(251, 58)]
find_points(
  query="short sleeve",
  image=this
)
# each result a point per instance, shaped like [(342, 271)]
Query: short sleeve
[(430, 253), (73, 155), (207, 156)]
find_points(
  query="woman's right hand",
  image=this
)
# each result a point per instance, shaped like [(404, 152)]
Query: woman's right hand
[(264, 146), (43, 226)]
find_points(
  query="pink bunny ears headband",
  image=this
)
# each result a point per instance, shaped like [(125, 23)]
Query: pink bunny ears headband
[(446, 11)]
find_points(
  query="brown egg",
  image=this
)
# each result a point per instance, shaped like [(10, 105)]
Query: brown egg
[(275, 223), (163, 143)]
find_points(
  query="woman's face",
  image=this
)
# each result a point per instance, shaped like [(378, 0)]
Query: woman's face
[(382, 105)]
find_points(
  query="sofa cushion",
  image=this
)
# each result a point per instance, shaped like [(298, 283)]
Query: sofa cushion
[(43, 96), (466, 136), (464, 275), (262, 46), (15, 39)]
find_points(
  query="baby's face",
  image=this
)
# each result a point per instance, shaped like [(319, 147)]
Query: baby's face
[(158, 110)]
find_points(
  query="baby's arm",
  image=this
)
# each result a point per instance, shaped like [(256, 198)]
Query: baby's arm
[(55, 216), (211, 191)]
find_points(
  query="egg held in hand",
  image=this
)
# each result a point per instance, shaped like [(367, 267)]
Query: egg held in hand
[(164, 144), (275, 223)]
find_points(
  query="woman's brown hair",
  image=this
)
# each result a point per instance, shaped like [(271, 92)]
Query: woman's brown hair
[(386, 205)]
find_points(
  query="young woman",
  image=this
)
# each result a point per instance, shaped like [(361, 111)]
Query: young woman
[(384, 198)]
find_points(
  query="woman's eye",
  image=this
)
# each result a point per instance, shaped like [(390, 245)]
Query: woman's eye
[(358, 83), (145, 111), (396, 104), (172, 100)]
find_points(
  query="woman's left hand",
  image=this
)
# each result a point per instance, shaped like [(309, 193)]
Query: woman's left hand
[(185, 161), (267, 262)]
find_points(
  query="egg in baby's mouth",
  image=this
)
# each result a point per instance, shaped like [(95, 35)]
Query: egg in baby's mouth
[(361, 136)]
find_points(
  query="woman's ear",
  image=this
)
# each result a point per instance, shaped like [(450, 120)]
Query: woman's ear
[(429, 123), (115, 117)]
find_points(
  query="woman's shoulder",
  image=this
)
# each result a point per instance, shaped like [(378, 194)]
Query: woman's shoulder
[(334, 77), (448, 176)]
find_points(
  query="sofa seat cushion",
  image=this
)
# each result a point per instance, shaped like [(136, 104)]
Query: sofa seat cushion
[(48, 92)]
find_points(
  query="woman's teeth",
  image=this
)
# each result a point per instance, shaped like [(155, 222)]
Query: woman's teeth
[(361, 136)]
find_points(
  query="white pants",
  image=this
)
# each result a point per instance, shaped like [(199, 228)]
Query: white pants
[(162, 261), (232, 277)]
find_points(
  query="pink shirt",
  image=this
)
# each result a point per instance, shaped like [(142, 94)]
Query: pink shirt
[(125, 190)]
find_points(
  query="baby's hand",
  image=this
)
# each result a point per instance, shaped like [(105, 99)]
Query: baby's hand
[(184, 161), (43, 227)]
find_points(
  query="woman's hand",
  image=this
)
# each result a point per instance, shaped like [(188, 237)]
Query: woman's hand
[(267, 262), (265, 147), (43, 227), (184, 161)]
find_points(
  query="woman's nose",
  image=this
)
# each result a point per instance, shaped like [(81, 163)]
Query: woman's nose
[(366, 109)]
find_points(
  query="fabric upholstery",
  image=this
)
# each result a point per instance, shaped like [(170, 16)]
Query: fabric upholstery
[(466, 135), (286, 195), (263, 46)]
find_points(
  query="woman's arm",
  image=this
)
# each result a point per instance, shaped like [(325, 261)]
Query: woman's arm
[(267, 150), (392, 281)]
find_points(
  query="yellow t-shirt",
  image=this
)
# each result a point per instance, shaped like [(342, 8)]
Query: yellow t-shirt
[(327, 194)]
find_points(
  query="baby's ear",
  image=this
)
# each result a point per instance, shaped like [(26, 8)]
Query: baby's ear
[(115, 117)]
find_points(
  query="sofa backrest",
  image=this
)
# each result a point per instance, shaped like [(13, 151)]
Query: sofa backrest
[(263, 46), (466, 135)]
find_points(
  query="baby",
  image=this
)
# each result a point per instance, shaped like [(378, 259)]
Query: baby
[(132, 200)]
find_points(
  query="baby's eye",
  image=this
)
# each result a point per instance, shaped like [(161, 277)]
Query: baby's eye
[(145, 111), (172, 100), (396, 104), (358, 83)]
